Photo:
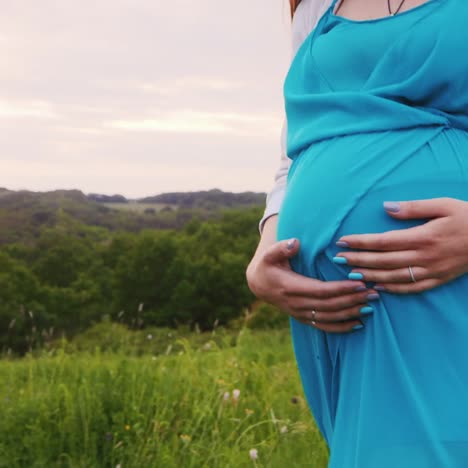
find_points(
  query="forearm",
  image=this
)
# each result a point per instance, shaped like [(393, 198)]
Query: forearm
[(268, 236)]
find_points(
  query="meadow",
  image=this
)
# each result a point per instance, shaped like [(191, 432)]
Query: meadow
[(168, 361), (156, 398)]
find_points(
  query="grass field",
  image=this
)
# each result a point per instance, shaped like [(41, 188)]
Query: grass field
[(201, 403)]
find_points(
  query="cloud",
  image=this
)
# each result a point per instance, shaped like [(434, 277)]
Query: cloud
[(125, 92), (191, 84), (31, 109), (190, 121)]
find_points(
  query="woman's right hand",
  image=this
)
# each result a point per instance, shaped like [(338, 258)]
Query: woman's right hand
[(338, 305)]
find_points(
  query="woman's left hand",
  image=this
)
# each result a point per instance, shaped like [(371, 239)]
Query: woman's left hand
[(437, 251)]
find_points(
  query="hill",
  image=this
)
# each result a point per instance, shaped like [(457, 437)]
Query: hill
[(210, 199), (24, 213)]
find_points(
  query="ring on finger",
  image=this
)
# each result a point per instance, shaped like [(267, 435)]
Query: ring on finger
[(413, 278), (314, 313)]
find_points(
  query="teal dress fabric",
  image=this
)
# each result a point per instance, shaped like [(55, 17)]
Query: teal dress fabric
[(378, 111)]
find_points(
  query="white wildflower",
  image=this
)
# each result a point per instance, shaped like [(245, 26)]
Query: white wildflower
[(226, 396), (236, 394), (284, 429), (150, 336), (253, 453)]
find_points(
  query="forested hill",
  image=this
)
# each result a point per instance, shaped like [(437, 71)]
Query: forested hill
[(208, 199), (23, 214)]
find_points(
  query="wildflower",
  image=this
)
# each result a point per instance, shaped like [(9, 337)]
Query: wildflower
[(186, 438), (127, 427), (248, 411), (294, 400), (140, 307), (284, 429), (207, 346), (226, 396), (235, 394), (150, 336), (253, 453)]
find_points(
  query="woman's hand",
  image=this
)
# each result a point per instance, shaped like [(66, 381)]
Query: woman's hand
[(333, 307), (437, 251)]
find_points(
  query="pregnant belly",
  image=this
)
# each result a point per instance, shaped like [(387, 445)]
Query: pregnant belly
[(337, 187)]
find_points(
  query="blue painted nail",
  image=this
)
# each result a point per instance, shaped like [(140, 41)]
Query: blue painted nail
[(340, 260), (360, 288), (373, 296), (379, 288), (366, 310), (393, 207), (291, 243), (355, 276), (358, 327), (342, 244)]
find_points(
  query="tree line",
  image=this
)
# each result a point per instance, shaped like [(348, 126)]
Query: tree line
[(74, 274)]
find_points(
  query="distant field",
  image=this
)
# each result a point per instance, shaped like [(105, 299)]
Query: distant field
[(139, 207), (201, 404)]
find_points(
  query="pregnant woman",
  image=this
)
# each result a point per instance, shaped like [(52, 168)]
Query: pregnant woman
[(377, 110)]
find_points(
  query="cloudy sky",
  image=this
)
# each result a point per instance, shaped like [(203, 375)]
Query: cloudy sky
[(140, 97)]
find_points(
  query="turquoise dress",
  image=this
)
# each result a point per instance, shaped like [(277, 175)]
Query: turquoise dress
[(378, 111)]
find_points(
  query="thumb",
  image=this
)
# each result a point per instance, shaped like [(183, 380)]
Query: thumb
[(282, 250), (418, 209)]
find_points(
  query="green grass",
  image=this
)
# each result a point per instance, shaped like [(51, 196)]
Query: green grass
[(176, 409)]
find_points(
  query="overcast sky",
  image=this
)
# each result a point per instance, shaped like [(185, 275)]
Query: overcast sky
[(140, 97)]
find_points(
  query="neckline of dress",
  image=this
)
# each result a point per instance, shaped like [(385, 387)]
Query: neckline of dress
[(335, 5)]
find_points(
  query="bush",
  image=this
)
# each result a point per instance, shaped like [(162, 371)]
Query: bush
[(266, 316)]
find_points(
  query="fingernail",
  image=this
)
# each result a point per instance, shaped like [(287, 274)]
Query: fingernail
[(291, 244), (355, 276), (340, 260), (379, 288), (366, 310), (360, 288), (393, 207), (358, 327), (373, 296), (342, 244)]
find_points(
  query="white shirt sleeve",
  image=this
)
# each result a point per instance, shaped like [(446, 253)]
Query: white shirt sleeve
[(304, 21)]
